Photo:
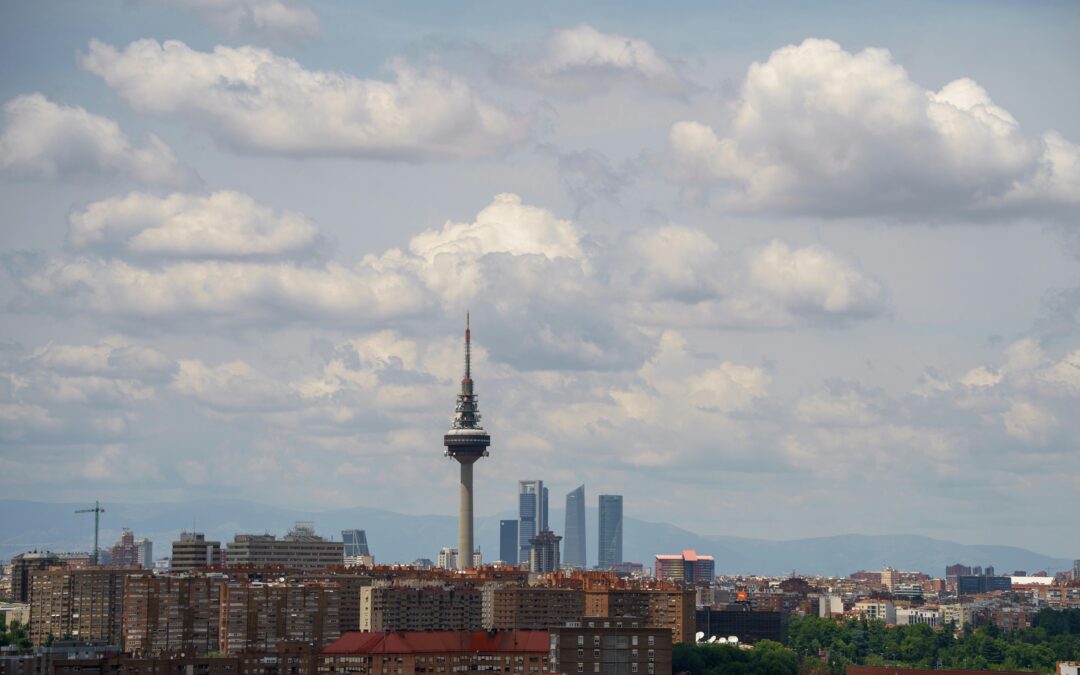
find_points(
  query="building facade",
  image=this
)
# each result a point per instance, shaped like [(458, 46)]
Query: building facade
[(600, 645), (167, 614), (531, 516), (84, 604), (544, 553), (301, 548), (194, 552), (609, 552), (355, 542), (687, 567), (508, 541), (575, 549), (256, 616), (463, 652), (535, 608), (401, 608)]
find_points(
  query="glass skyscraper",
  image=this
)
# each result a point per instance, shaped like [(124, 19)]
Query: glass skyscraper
[(355, 542), (574, 539), (532, 516), (508, 541), (610, 553)]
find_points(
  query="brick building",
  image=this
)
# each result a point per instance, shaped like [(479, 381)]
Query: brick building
[(460, 652), (601, 645)]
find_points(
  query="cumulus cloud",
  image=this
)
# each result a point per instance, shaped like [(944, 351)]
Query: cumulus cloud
[(682, 277), (221, 224), (276, 21), (824, 131), (554, 297), (583, 61), (43, 139), (232, 292), (812, 279), (253, 100)]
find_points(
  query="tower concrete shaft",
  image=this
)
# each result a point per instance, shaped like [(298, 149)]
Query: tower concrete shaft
[(466, 442), (465, 519)]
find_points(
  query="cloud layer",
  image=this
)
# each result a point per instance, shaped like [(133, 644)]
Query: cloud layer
[(275, 21), (250, 99), (43, 139)]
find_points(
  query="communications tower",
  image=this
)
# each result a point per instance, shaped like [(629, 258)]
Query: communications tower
[(466, 441)]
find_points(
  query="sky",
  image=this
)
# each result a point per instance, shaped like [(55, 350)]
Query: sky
[(774, 270)]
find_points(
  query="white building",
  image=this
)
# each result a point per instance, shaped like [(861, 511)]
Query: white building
[(830, 604), (448, 558), (363, 560), (922, 615), (877, 609)]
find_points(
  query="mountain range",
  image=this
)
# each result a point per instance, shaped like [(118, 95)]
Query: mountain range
[(29, 525)]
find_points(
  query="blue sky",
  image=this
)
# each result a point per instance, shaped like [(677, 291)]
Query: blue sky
[(811, 267)]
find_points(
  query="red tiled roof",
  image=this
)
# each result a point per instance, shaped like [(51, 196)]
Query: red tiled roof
[(440, 642)]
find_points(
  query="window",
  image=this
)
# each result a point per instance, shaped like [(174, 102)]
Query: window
[(596, 667), (652, 640), (633, 654), (652, 655), (581, 653), (596, 654), (633, 640), (633, 667), (596, 641), (581, 667), (580, 640)]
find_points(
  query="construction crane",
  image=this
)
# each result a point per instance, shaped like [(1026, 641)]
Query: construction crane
[(97, 511)]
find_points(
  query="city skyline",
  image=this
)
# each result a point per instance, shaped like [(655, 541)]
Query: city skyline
[(769, 272)]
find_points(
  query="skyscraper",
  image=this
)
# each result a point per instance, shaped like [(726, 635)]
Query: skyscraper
[(544, 511), (466, 442), (508, 541), (574, 554), (531, 516), (355, 542), (610, 550), (544, 552)]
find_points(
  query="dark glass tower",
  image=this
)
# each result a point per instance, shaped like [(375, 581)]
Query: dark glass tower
[(355, 542), (610, 553), (574, 553), (508, 541), (466, 442)]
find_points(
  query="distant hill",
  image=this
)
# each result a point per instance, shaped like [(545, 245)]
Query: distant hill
[(27, 525)]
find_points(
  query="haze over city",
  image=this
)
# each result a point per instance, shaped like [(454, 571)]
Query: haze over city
[(766, 271)]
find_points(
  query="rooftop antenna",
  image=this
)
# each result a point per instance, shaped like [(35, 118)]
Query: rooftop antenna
[(468, 348), (97, 511)]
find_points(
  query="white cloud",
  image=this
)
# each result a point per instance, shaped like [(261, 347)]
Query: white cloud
[(450, 256), (229, 291), (837, 407), (680, 276), (1027, 422), (114, 356), (253, 100), (278, 21), (584, 61), (232, 386), (820, 130), (221, 224), (48, 140), (728, 388), (813, 279)]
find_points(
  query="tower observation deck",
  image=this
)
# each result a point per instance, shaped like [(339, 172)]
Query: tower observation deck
[(466, 442)]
